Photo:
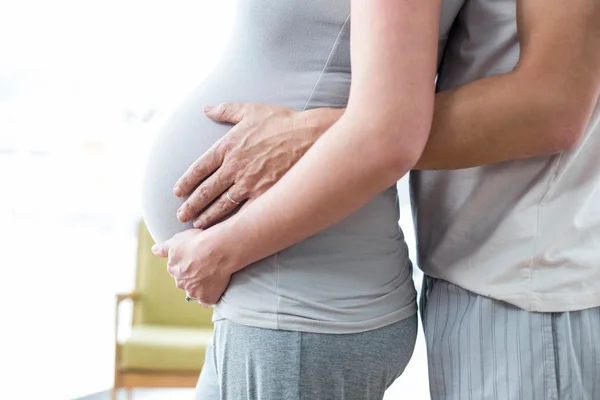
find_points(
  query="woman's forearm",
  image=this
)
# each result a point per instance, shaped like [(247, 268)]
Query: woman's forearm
[(345, 169), (319, 120)]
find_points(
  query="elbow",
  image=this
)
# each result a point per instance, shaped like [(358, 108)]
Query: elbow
[(567, 127), (407, 158), (397, 134), (402, 155), (566, 141), (406, 146), (559, 108)]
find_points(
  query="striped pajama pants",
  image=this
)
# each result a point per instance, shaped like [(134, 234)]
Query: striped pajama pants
[(483, 349)]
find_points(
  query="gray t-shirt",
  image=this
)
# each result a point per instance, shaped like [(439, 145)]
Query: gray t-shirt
[(352, 277), (526, 232)]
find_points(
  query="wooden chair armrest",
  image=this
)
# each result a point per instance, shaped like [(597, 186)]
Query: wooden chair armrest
[(126, 296), (120, 297)]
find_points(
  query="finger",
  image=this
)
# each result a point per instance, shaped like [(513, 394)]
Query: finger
[(204, 166), (209, 190), (242, 207), (160, 250), (220, 208), (205, 302), (226, 112), (180, 284)]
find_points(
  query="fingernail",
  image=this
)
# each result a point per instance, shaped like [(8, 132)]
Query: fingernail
[(181, 215), (208, 109), (177, 191), (198, 224), (155, 249)]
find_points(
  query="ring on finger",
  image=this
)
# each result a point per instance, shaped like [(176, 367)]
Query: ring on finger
[(230, 199)]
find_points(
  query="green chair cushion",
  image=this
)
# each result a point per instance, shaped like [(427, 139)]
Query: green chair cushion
[(165, 348)]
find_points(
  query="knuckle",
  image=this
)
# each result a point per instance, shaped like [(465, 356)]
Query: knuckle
[(224, 109), (252, 121), (171, 269), (244, 188), (204, 193), (237, 161), (190, 207), (227, 177), (209, 219), (204, 299), (180, 284), (197, 171), (174, 257), (223, 207), (236, 165), (226, 146)]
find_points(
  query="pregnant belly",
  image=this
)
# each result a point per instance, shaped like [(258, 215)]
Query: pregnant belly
[(189, 133), (183, 139)]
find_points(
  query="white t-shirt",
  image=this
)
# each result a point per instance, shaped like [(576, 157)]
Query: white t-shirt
[(525, 232)]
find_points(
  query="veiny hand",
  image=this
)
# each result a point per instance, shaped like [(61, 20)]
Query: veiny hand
[(263, 145), (197, 265)]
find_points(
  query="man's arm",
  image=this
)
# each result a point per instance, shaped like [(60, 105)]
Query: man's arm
[(542, 107), (394, 46)]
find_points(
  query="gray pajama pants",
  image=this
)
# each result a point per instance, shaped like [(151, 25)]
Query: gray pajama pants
[(484, 349), (263, 364), (208, 383)]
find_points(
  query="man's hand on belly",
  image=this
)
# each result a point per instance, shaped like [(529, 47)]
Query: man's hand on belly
[(198, 264), (264, 144)]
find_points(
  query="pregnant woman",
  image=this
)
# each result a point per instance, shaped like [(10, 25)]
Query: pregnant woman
[(320, 303)]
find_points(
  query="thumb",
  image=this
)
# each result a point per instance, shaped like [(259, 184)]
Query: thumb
[(225, 112), (161, 250)]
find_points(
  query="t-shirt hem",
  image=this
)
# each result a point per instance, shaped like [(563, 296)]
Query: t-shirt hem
[(548, 302), (553, 302), (276, 321)]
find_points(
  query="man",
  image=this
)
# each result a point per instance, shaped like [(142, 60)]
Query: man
[(512, 302), (511, 308)]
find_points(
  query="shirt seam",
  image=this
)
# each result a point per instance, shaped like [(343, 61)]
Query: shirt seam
[(326, 64), (537, 229), (309, 98), (277, 308)]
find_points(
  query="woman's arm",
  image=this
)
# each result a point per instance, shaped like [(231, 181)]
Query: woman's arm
[(393, 45)]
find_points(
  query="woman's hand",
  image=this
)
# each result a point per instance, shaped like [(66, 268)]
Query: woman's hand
[(198, 264), (264, 144)]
